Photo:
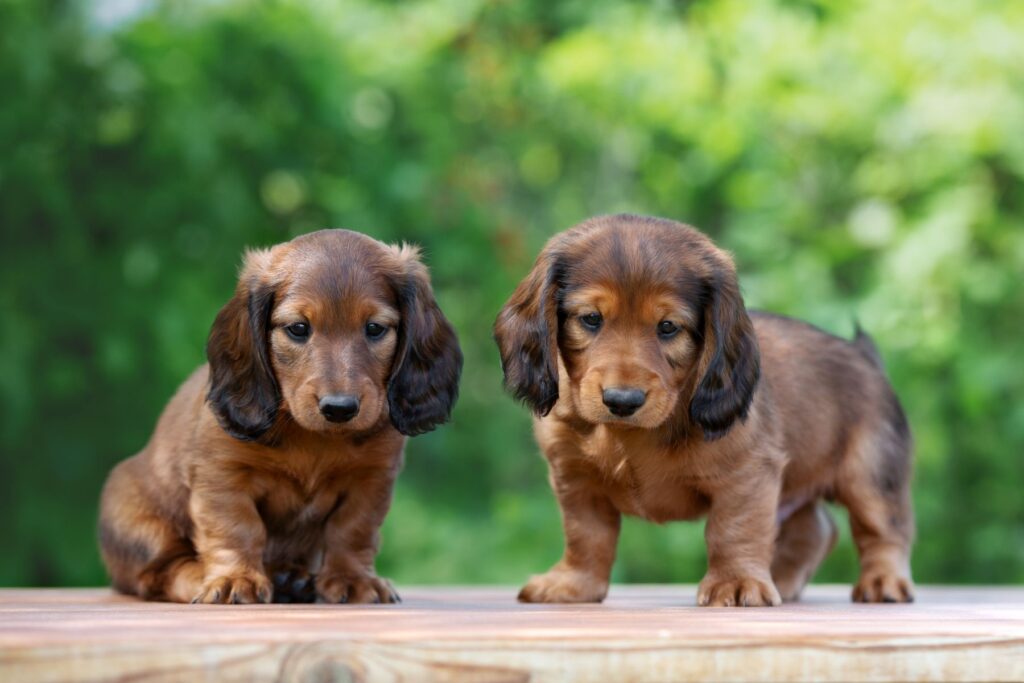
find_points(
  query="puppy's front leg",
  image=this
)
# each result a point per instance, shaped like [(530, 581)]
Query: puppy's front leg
[(740, 536), (229, 538), (591, 523), (352, 536)]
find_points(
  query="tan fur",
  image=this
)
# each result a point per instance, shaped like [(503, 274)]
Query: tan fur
[(246, 490), (749, 420)]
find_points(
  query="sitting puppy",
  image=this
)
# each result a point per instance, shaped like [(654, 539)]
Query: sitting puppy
[(277, 459), (657, 395)]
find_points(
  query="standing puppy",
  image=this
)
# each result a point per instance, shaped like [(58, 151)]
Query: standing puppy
[(657, 395), (276, 460)]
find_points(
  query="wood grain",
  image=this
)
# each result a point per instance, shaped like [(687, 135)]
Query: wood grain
[(481, 634)]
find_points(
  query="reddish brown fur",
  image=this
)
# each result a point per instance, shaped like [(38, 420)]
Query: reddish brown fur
[(750, 420), (246, 490)]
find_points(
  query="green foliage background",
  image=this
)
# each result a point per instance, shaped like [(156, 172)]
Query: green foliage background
[(861, 158)]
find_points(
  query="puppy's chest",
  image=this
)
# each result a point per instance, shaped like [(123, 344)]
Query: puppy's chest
[(645, 479), (291, 505)]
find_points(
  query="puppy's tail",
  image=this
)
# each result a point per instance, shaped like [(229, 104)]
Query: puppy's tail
[(863, 341)]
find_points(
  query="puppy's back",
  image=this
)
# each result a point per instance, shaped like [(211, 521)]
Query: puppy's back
[(830, 389)]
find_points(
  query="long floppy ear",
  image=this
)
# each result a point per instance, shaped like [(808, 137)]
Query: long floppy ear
[(424, 383), (244, 395), (527, 335), (730, 357)]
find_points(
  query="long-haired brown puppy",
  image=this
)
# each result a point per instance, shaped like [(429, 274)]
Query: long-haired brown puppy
[(276, 460), (657, 395)]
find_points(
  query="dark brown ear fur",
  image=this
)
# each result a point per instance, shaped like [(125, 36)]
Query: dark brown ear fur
[(730, 357), (527, 335), (424, 383), (243, 390)]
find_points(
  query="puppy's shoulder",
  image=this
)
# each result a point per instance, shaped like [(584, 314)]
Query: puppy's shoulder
[(185, 419), (186, 406)]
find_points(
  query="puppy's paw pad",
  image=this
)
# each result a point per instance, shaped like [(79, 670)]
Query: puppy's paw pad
[(245, 589), (563, 586), (355, 589), (737, 592), (883, 587)]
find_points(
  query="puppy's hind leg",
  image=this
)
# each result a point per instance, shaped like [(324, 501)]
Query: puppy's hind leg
[(874, 485), (804, 540), (143, 553), (182, 578)]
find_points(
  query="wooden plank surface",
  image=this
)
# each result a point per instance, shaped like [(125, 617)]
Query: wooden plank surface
[(482, 634)]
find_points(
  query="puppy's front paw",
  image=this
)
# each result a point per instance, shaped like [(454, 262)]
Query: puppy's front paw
[(564, 585), (883, 586), (737, 592), (242, 589), (355, 588)]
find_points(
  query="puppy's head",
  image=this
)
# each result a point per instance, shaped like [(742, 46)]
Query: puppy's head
[(647, 319), (338, 332)]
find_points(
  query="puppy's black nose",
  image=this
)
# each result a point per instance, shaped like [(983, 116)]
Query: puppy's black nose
[(623, 402), (340, 407)]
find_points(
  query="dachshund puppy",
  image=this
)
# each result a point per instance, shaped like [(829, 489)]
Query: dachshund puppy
[(275, 462), (656, 395)]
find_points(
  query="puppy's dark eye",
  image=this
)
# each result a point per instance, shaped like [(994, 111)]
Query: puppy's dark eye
[(667, 329), (298, 331), (591, 321), (375, 331)]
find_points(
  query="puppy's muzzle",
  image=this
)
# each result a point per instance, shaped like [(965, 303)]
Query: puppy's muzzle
[(339, 407), (623, 402)]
